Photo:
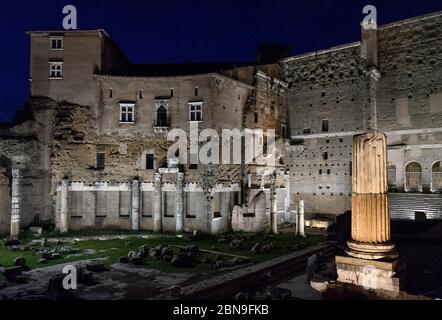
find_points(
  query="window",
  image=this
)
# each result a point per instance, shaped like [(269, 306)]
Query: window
[(196, 111), (100, 160), (171, 93), (55, 70), (256, 117), (150, 161), (56, 43), (325, 125), (307, 131), (196, 91), (284, 131), (127, 113), (162, 117), (193, 166), (325, 155)]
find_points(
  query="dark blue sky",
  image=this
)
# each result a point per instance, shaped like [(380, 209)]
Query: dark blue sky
[(184, 30)]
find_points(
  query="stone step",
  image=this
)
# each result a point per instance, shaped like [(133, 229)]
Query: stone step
[(404, 205)]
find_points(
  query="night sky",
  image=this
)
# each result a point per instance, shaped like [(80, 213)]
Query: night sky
[(188, 30)]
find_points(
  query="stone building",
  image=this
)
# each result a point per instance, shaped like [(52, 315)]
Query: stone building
[(398, 68), (91, 150)]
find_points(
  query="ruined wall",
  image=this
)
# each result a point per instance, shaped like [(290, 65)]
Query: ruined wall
[(410, 94), (329, 86), (5, 201)]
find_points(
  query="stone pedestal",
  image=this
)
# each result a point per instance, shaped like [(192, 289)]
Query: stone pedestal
[(135, 214), (370, 274), (15, 203), (64, 206)]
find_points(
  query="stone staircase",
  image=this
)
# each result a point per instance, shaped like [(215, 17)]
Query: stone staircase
[(403, 206)]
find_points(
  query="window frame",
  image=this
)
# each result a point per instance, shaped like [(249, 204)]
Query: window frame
[(56, 76), (56, 39), (127, 112), (153, 161), (196, 112)]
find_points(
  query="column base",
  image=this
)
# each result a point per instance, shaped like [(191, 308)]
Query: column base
[(369, 251), (369, 274)]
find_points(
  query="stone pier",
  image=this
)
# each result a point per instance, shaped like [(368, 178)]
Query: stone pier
[(273, 208), (15, 203), (157, 206), (179, 205), (135, 213), (64, 206), (287, 200)]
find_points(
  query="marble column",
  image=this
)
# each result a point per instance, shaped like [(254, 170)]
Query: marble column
[(273, 207), (209, 211), (287, 200), (179, 203), (301, 219), (135, 213), (371, 238), (157, 206), (15, 203), (64, 206)]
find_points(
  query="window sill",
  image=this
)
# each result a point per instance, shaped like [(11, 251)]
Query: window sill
[(55, 78), (195, 121), (56, 49), (121, 122)]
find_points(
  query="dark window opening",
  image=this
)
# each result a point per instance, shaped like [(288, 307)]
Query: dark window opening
[(140, 93), (217, 214), (324, 125), (196, 91), (307, 131), (110, 93), (171, 93), (149, 161), (193, 166), (325, 155), (256, 117), (162, 117), (420, 216), (100, 161)]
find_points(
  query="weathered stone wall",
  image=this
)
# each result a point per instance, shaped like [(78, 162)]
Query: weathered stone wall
[(5, 202), (324, 86), (410, 95), (332, 85)]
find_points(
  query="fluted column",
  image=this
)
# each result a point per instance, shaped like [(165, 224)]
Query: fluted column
[(15, 203), (371, 237)]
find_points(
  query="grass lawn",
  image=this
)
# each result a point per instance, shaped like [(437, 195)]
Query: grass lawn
[(114, 249)]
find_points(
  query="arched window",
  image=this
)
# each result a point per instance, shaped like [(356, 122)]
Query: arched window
[(413, 177), (391, 174), (436, 179), (162, 117)]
